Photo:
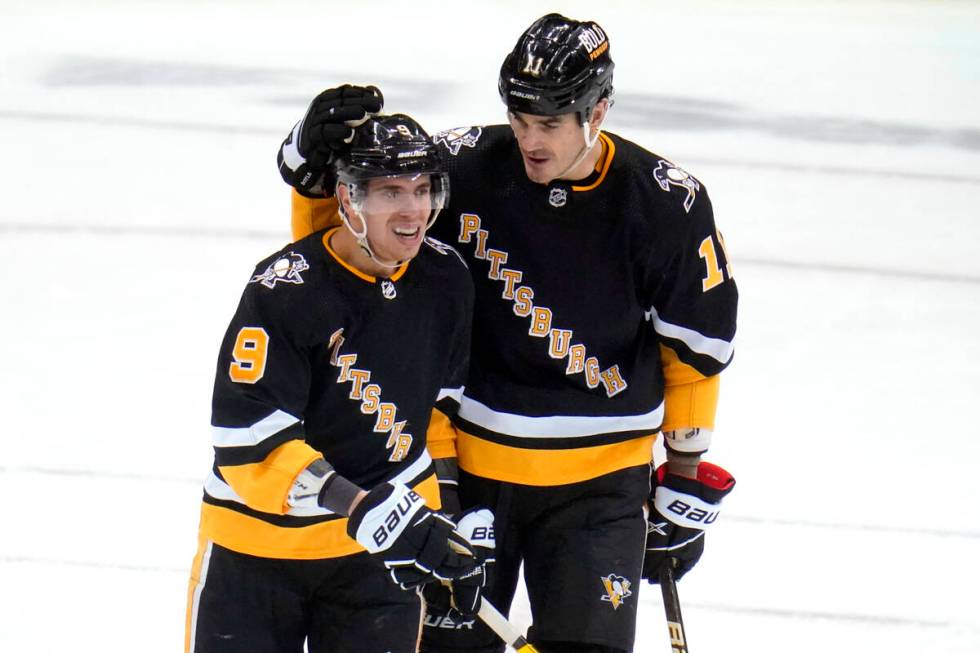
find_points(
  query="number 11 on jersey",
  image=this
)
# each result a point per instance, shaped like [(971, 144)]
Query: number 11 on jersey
[(709, 252)]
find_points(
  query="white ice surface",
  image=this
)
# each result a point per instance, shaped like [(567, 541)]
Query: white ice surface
[(841, 145)]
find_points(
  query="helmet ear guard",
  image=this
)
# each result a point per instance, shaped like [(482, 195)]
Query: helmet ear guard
[(558, 66)]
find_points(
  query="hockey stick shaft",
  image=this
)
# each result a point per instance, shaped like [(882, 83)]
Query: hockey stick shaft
[(497, 622), (672, 607), (505, 630)]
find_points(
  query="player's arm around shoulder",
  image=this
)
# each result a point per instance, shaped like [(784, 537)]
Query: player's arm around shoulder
[(312, 214)]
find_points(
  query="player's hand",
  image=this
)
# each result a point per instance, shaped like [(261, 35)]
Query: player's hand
[(681, 509), (476, 527), (416, 544), (460, 599), (327, 129), (328, 126)]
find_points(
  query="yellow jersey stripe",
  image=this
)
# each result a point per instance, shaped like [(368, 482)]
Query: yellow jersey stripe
[(546, 467), (326, 539)]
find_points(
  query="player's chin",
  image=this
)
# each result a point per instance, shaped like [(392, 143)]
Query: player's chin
[(539, 172), (536, 175)]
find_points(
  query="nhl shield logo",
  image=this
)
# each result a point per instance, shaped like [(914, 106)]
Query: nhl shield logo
[(667, 175), (557, 197), (285, 269), (388, 289), (454, 139), (617, 589)]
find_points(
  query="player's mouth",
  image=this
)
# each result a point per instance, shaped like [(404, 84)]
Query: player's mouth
[(536, 160), (408, 235)]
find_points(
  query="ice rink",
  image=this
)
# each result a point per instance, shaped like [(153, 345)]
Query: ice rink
[(840, 142)]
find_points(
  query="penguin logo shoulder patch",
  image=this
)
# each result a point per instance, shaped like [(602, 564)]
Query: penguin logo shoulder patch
[(285, 269), (667, 175), (454, 139)]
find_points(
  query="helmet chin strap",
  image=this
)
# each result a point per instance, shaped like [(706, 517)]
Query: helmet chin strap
[(362, 239), (589, 144)]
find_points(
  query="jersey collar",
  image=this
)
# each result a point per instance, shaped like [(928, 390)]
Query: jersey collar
[(350, 268), (598, 175)]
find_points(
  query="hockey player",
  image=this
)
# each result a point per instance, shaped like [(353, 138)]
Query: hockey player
[(605, 311), (322, 492)]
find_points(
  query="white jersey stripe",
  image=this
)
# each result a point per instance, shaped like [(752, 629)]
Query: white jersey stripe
[(198, 588), (557, 426), (252, 435), (218, 489), (720, 350), (453, 393)]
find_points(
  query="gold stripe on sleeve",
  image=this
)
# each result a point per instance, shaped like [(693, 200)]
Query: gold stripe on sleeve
[(246, 534), (690, 398), (264, 485), (441, 437)]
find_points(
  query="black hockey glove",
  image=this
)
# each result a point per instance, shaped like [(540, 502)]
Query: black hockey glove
[(681, 509), (326, 129), (476, 526), (416, 544), (462, 598)]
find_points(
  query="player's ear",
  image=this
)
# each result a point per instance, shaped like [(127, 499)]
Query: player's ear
[(599, 112), (343, 196)]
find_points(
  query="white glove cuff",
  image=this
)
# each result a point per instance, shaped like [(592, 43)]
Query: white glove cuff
[(685, 510), (477, 528), (291, 157), (383, 523)]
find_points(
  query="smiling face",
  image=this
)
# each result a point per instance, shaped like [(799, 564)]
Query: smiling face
[(550, 145), (394, 212)]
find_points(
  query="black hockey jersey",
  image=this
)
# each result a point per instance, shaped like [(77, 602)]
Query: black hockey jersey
[(590, 295), (323, 360)]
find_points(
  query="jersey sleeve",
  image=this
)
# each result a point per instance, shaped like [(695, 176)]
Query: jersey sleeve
[(260, 391), (310, 215), (693, 308)]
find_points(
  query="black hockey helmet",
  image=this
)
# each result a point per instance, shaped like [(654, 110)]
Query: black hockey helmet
[(385, 146), (559, 65), (389, 146)]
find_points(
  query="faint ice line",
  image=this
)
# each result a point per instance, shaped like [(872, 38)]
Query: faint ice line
[(880, 620), (278, 235), (255, 130), (867, 619), (100, 474), (873, 528), (87, 563), (140, 230), (795, 523)]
